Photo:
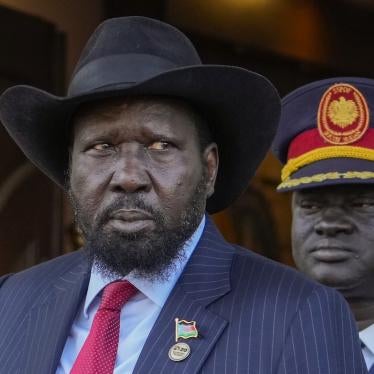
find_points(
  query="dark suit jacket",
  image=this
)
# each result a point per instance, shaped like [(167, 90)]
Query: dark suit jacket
[(253, 315)]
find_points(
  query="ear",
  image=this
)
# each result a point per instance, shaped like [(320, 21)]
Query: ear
[(294, 199), (211, 160)]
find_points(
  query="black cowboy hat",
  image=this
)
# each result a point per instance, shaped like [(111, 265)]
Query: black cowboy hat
[(140, 56)]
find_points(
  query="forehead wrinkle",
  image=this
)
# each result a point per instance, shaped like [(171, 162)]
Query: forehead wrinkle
[(165, 111), (161, 116), (106, 109), (163, 108), (93, 127)]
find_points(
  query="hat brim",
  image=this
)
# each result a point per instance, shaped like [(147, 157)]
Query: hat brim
[(242, 109), (330, 172)]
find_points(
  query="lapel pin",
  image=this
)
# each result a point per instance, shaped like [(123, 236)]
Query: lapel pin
[(179, 352), (184, 330)]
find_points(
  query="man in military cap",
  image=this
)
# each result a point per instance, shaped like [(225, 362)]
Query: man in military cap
[(156, 289), (326, 141)]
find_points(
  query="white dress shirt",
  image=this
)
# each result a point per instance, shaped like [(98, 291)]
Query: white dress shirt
[(367, 337), (137, 317)]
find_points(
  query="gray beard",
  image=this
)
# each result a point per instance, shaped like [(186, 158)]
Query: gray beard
[(150, 255)]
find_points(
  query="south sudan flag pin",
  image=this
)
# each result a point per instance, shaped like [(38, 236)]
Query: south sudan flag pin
[(185, 329)]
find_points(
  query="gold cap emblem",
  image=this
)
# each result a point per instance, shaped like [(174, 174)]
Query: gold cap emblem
[(343, 115), (342, 112)]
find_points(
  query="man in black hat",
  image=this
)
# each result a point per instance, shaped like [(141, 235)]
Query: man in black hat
[(326, 140), (156, 289)]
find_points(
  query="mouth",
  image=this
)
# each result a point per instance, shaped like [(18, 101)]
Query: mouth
[(131, 220), (331, 254)]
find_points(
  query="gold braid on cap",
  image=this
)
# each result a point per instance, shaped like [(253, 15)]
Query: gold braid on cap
[(319, 154), (326, 176)]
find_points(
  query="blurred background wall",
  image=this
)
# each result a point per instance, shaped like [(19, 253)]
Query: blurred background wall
[(292, 42)]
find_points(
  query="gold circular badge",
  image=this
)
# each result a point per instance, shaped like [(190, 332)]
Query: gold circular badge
[(179, 352), (343, 114)]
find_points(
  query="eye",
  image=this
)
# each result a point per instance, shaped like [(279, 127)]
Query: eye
[(310, 205), (99, 148), (363, 204), (160, 145)]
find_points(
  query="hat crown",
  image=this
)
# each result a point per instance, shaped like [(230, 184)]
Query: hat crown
[(137, 56), (300, 109), (130, 50), (326, 134)]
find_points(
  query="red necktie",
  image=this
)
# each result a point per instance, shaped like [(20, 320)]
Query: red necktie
[(99, 351)]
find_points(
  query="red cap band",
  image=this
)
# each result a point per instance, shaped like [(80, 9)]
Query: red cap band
[(311, 139)]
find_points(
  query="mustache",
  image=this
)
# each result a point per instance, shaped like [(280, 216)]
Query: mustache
[(128, 203)]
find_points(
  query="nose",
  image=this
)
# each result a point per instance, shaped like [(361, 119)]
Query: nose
[(131, 172), (333, 222)]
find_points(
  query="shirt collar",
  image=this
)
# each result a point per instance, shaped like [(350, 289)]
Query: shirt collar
[(157, 291), (367, 337)]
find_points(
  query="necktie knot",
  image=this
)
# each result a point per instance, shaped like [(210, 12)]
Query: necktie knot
[(116, 295)]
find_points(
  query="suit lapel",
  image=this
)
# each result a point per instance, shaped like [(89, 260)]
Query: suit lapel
[(205, 279), (50, 319)]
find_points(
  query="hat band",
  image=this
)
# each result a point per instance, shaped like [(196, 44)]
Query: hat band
[(319, 154), (322, 177), (129, 68), (311, 139)]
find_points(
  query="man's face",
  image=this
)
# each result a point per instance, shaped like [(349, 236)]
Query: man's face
[(333, 236), (139, 181)]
